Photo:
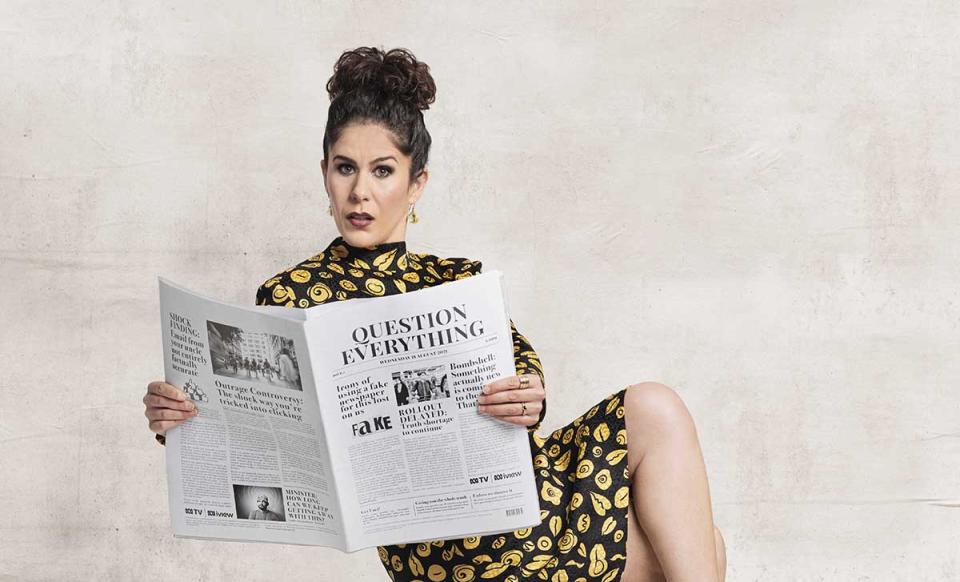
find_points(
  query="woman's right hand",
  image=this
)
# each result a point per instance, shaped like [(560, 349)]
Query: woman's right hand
[(166, 406)]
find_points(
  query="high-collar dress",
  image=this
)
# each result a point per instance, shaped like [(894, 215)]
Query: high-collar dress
[(581, 468)]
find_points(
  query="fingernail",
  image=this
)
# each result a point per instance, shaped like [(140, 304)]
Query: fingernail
[(485, 388), (481, 409), (481, 400)]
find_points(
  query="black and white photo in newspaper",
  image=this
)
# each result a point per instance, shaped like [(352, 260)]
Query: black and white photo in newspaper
[(398, 378), (254, 464)]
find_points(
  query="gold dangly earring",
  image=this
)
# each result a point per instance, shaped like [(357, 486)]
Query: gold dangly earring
[(412, 215), (330, 209)]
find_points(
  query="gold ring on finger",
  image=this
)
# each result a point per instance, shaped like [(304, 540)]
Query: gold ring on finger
[(523, 409), (524, 381)]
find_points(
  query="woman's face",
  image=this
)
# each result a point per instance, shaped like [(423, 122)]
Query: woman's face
[(367, 180)]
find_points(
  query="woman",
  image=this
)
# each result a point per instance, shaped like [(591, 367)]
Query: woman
[(623, 487)]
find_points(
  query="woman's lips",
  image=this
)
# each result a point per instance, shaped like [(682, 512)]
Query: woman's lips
[(359, 221)]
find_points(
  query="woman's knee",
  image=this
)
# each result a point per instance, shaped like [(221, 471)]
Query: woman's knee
[(656, 407), (655, 415)]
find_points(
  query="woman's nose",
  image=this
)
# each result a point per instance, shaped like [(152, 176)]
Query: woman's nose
[(360, 191)]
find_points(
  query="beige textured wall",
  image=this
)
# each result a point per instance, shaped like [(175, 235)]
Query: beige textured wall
[(753, 202)]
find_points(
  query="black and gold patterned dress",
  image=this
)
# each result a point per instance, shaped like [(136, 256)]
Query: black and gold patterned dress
[(581, 468)]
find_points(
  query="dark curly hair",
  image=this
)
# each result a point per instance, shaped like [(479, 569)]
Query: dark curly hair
[(388, 88)]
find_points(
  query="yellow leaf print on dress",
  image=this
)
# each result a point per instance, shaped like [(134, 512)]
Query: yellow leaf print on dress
[(555, 524), (598, 560), (320, 292), (622, 497), (550, 493), (583, 523), (300, 275), (615, 456), (359, 263), (416, 566), (567, 541), (383, 261), (436, 573), (374, 286), (603, 479), (494, 569), (600, 503), (464, 573), (602, 432), (511, 557), (608, 525), (283, 294), (584, 468)]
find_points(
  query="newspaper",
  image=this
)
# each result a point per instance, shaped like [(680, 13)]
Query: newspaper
[(350, 424)]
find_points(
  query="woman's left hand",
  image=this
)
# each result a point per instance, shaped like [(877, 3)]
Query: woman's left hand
[(505, 400)]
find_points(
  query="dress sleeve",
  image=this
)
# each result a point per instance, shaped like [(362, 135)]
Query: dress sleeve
[(266, 294), (262, 295), (526, 361)]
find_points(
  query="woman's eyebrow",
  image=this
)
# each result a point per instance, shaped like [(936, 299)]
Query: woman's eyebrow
[(380, 159)]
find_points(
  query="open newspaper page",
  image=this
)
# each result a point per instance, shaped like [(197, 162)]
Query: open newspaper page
[(398, 379), (253, 465)]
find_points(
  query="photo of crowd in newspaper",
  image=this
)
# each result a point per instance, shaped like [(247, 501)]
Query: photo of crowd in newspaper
[(250, 355)]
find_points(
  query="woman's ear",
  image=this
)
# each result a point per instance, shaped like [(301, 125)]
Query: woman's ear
[(417, 186)]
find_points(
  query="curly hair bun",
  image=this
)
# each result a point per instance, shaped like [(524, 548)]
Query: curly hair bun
[(395, 73)]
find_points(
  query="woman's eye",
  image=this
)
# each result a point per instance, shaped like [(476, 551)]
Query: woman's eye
[(381, 171)]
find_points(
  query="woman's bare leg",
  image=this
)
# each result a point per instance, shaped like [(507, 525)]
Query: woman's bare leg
[(642, 564), (670, 534), (721, 553)]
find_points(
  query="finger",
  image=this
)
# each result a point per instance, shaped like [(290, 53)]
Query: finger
[(162, 426), (510, 409), (526, 395), (502, 384), (518, 409), (168, 414), (164, 389), (520, 420), (511, 383), (156, 401)]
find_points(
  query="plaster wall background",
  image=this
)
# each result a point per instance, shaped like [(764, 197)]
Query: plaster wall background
[(752, 202)]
